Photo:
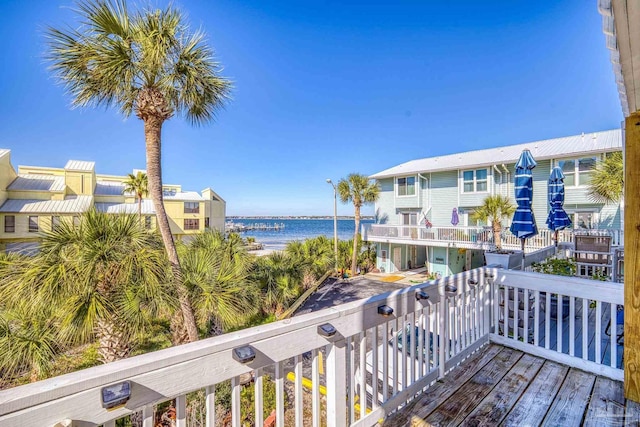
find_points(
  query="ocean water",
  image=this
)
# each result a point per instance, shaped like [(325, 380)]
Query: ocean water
[(298, 229)]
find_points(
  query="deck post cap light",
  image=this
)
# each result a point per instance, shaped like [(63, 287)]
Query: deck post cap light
[(385, 310), (450, 289), (420, 295), (244, 354), (472, 282), (326, 330), (115, 395)]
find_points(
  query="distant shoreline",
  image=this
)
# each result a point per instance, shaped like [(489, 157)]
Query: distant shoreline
[(298, 217)]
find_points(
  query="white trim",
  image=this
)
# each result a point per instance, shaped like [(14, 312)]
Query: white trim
[(474, 181), (397, 186)]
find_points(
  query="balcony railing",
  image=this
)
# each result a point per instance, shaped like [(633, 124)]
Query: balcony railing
[(385, 350), (481, 237)]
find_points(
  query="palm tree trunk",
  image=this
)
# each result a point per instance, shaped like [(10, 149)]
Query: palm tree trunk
[(152, 134), (140, 207), (113, 341), (354, 258), (496, 236)]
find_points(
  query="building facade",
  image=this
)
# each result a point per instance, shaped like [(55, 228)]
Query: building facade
[(414, 214), (34, 199)]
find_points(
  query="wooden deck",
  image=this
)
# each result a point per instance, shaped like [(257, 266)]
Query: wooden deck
[(506, 387)]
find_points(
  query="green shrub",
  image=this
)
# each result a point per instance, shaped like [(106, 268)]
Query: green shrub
[(559, 267)]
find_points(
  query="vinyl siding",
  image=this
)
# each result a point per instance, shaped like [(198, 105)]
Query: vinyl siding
[(474, 199), (444, 193), (384, 207)]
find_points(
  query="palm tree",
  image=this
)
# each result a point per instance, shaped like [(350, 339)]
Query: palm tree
[(494, 209), (359, 190), (147, 63), (108, 274), (607, 180), (313, 257), (137, 184), (279, 278), (217, 273)]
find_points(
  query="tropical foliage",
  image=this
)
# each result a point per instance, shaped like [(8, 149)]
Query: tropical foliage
[(105, 276), (607, 180), (358, 190), (494, 209), (143, 62)]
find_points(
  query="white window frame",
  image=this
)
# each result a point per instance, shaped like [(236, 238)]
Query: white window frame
[(415, 186), (475, 181), (576, 169)]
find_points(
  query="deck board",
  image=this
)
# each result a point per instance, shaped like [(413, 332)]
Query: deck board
[(606, 406), (501, 399), (502, 386), (470, 394), (536, 400), (569, 405)]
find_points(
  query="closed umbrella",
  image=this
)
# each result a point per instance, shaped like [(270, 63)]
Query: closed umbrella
[(523, 224), (455, 220), (558, 218)]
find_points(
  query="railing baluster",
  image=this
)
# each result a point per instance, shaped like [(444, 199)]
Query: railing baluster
[(147, 416), (385, 362), (423, 331), (394, 355), (516, 310), (614, 336), (258, 393), (547, 322), (315, 391), (525, 302), (598, 331), (505, 311), (374, 367), (363, 377), (585, 328), (236, 420), (279, 395), (443, 333), (363, 373), (336, 384), (299, 405), (559, 307), (181, 411), (411, 318), (572, 326), (496, 308), (536, 318)]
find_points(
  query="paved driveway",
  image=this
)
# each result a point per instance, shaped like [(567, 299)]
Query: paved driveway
[(338, 292)]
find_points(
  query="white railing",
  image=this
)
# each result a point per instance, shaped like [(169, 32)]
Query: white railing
[(479, 236), (369, 370), (570, 320)]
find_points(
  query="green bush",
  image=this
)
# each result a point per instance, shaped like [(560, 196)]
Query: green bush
[(559, 267)]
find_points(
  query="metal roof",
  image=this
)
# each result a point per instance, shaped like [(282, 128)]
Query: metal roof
[(4, 151), (569, 146), (36, 182), (127, 208), (80, 165), (109, 188), (75, 204), (182, 195)]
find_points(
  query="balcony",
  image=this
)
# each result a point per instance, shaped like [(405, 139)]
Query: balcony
[(468, 237), (562, 321)]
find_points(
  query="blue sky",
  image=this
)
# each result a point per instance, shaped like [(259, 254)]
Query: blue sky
[(326, 88)]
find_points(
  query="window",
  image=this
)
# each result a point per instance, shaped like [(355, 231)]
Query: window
[(584, 220), (9, 224), (191, 207), (410, 218), (55, 222), (191, 224), (147, 222), (206, 222), (383, 255), (407, 186), (578, 171), (33, 224), (474, 181)]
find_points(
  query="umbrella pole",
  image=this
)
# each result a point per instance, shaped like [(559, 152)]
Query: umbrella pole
[(522, 244), (556, 237)]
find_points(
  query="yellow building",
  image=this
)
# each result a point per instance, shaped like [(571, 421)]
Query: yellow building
[(35, 198)]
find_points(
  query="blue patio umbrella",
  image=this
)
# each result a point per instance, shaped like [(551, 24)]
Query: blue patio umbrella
[(558, 218), (523, 224), (455, 220)]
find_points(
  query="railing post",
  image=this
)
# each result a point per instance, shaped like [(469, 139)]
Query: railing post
[(336, 384)]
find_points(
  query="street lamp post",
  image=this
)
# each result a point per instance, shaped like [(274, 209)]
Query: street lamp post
[(335, 219)]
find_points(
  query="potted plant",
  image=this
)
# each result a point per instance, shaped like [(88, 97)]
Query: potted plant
[(494, 210)]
